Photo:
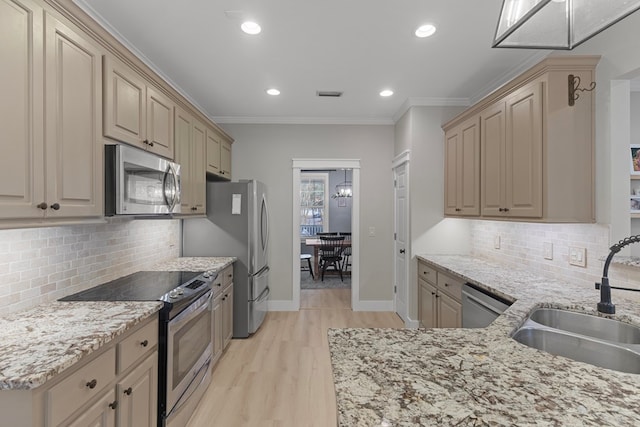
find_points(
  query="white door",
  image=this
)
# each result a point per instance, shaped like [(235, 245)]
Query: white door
[(401, 259)]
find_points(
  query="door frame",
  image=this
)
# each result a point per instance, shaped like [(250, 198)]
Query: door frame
[(403, 159), (319, 164)]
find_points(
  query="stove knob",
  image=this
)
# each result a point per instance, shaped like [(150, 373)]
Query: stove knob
[(206, 275), (173, 294), (180, 291)]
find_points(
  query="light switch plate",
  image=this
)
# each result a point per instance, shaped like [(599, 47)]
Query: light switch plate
[(496, 242), (547, 250), (372, 232), (577, 256)]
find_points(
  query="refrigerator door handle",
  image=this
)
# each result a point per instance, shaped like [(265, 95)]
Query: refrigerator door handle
[(264, 295), (264, 225), (262, 272)]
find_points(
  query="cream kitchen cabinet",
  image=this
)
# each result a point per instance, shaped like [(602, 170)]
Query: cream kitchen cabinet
[(227, 315), (462, 169), (218, 155), (191, 155), (222, 312), (439, 298), (52, 161), (115, 385), (135, 112), (536, 150)]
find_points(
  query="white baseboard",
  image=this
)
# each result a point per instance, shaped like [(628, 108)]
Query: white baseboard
[(373, 306), (282, 305), (412, 324)]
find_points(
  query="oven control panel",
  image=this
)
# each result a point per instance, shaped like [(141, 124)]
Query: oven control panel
[(195, 286)]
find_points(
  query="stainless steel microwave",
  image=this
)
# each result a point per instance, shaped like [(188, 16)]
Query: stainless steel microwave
[(140, 183)]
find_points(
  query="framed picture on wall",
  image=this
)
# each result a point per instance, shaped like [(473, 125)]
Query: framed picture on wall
[(342, 201), (634, 151), (634, 202)]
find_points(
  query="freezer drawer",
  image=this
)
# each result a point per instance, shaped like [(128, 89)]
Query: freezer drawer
[(258, 311)]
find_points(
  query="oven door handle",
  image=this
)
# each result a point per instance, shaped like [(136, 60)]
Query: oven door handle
[(200, 305)]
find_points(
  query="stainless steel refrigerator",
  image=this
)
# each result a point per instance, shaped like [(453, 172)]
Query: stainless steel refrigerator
[(237, 224)]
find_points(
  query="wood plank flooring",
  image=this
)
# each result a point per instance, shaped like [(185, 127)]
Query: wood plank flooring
[(281, 376)]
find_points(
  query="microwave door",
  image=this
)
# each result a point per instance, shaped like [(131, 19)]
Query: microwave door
[(170, 188)]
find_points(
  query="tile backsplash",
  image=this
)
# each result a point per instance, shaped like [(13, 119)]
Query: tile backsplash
[(522, 244), (38, 265)]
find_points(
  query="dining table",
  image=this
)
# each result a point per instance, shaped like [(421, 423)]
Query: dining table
[(315, 243)]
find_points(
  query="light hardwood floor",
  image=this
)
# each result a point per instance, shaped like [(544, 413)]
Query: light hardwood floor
[(281, 376)]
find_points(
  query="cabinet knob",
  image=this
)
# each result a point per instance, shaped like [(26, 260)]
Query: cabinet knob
[(128, 391), (42, 206), (146, 142), (151, 144), (55, 206), (92, 384), (144, 343), (446, 284), (113, 405), (458, 209)]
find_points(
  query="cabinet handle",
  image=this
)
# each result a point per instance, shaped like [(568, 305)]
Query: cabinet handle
[(128, 391), (458, 209), (433, 293), (92, 384), (55, 206), (42, 206), (401, 251), (113, 405), (144, 343), (146, 142), (151, 144), (506, 209)]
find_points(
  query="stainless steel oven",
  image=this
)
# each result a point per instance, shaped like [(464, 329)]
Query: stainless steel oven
[(188, 354)]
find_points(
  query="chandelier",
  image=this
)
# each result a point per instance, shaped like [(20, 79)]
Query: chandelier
[(343, 189), (557, 24)]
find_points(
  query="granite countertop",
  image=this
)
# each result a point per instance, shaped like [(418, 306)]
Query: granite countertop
[(41, 342), (408, 377)]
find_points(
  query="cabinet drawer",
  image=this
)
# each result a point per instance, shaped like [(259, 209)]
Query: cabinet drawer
[(426, 273), (450, 285), (79, 387), (137, 345)]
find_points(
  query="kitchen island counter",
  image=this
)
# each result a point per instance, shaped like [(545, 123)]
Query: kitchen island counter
[(480, 376)]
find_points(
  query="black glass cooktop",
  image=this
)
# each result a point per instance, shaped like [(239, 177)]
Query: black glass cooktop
[(140, 286)]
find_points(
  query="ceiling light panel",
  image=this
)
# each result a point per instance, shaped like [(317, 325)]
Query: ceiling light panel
[(386, 93), (425, 30), (273, 91), (251, 27)]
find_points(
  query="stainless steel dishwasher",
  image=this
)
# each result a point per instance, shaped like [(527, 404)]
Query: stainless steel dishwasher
[(480, 307)]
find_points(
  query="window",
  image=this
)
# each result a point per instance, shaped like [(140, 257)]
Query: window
[(314, 203)]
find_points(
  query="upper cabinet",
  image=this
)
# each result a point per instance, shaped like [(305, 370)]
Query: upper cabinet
[(136, 112), (191, 155), (218, 155), (462, 168), (51, 79), (536, 152)]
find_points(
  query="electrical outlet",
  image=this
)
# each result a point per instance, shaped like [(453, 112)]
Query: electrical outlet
[(496, 242), (577, 256), (372, 232), (547, 250)]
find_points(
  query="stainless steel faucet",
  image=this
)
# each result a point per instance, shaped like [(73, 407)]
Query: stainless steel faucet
[(605, 305)]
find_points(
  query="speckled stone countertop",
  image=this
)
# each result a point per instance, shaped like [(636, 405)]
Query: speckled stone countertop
[(195, 264), (39, 343), (480, 377)]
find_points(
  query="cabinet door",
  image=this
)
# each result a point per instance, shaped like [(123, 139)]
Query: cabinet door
[(225, 159), (197, 167), (468, 170), (213, 153), (524, 152), (159, 123), (100, 414), (73, 119), (21, 86), (218, 335), (449, 312), (451, 143), (492, 125), (125, 104), (227, 316), (137, 395), (183, 125), (427, 304)]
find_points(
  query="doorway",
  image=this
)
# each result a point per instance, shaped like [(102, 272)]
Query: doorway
[(310, 167), (401, 245)]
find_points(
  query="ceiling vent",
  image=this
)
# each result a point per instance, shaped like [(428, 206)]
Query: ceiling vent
[(329, 93)]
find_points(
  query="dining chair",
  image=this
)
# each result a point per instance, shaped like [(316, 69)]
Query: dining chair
[(346, 251), (331, 254), (308, 258)]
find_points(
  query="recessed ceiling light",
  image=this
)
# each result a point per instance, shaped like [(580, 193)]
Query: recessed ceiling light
[(386, 92), (273, 92), (425, 30), (251, 27)]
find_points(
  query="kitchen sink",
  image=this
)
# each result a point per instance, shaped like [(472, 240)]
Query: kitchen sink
[(586, 324), (586, 338), (580, 348)]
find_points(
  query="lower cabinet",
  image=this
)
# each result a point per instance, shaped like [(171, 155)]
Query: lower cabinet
[(439, 298), (115, 386), (222, 312)]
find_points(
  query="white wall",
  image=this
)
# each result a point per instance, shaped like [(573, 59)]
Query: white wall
[(39, 265), (265, 152)]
